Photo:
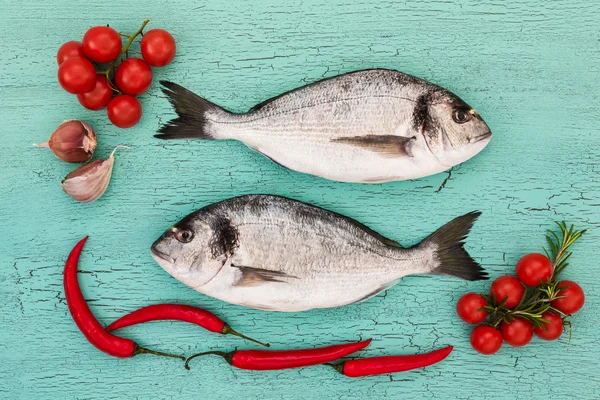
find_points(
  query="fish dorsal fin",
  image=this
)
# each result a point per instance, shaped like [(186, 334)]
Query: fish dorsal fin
[(353, 222), (252, 276), (389, 145), (272, 99), (344, 85), (369, 231)]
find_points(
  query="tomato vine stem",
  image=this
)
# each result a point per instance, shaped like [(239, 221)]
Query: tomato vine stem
[(124, 50)]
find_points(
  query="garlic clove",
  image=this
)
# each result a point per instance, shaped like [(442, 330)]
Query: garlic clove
[(73, 141), (89, 182)]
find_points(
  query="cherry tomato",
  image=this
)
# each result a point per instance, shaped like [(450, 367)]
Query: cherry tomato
[(518, 332), (133, 76), (77, 75), (158, 47), (507, 286), (533, 268), (99, 97), (554, 327), (124, 111), (468, 307), (573, 300), (486, 340), (102, 44), (69, 50)]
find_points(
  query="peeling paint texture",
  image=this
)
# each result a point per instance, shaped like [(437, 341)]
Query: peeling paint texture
[(531, 69)]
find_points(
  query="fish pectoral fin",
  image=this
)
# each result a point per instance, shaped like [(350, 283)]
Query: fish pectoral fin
[(252, 276), (389, 145)]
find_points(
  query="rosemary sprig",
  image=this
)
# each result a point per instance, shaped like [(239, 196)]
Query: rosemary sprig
[(537, 300), (558, 247)]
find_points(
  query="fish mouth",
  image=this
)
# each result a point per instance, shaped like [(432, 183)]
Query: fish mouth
[(162, 255), (481, 137)]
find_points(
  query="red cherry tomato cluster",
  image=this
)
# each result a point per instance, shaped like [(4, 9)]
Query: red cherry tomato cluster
[(510, 310), (115, 86)]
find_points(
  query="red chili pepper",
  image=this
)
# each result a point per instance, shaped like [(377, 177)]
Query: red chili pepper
[(389, 364), (282, 359), (178, 312), (87, 322)]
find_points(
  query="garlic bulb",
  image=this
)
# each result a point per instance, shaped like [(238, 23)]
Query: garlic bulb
[(88, 182), (73, 141)]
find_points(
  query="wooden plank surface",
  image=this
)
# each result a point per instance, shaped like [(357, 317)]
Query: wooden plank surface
[(532, 71)]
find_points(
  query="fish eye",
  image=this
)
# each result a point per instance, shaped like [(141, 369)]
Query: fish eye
[(461, 116), (184, 235)]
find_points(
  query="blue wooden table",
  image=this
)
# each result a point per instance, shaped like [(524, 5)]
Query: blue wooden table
[(531, 69)]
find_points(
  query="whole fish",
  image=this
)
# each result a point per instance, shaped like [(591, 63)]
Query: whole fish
[(367, 126), (273, 253)]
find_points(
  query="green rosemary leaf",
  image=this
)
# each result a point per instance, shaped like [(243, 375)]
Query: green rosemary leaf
[(555, 237), (551, 244), (546, 252), (570, 234), (503, 302)]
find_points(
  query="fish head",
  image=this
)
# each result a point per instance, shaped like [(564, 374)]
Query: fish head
[(454, 132), (184, 251)]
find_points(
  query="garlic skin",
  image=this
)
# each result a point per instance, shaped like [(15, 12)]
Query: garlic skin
[(89, 182), (73, 141)]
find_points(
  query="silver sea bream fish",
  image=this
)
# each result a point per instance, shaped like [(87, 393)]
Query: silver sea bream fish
[(366, 126), (274, 253)]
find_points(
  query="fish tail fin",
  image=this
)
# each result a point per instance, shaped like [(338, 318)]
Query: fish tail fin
[(450, 257), (192, 110)]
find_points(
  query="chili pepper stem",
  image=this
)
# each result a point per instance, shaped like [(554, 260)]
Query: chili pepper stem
[(338, 367), (227, 356), (142, 350), (227, 330)]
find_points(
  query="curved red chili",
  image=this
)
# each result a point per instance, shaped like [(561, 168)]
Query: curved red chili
[(389, 364), (86, 321), (178, 312), (282, 359)]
